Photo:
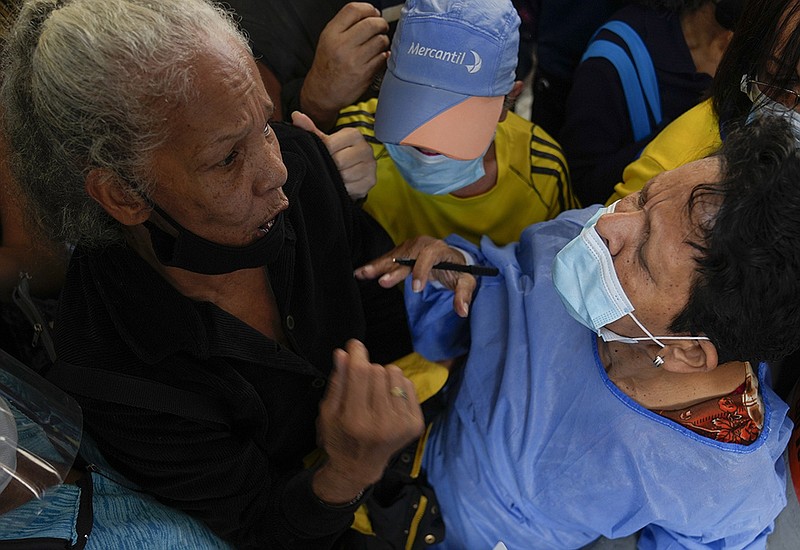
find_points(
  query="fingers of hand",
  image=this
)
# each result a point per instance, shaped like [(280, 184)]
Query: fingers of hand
[(356, 166), (301, 120), (367, 29), (355, 43), (378, 406), (404, 403), (337, 381), (391, 273), (357, 350), (379, 267), (429, 253), (465, 288), (374, 44), (351, 14), (358, 182), (352, 146)]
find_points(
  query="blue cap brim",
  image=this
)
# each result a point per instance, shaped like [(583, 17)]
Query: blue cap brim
[(457, 125), (405, 106)]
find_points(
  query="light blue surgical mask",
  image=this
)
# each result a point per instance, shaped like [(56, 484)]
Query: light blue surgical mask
[(763, 105), (434, 174), (587, 283)]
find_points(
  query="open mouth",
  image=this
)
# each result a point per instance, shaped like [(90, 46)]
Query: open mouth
[(427, 152), (264, 229)]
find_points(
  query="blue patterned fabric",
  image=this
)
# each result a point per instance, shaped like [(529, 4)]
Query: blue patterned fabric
[(123, 519)]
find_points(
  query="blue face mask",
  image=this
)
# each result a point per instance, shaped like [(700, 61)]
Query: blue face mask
[(587, 283), (434, 174)]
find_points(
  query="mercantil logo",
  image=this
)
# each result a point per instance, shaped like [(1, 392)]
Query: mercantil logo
[(475, 67), (454, 57)]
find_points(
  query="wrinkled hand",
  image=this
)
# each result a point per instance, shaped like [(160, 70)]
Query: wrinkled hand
[(352, 48), (351, 153), (364, 419), (427, 251)]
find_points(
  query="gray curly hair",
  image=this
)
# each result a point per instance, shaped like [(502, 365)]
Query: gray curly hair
[(89, 84)]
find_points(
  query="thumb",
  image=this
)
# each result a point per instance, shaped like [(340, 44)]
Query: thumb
[(337, 379), (303, 121)]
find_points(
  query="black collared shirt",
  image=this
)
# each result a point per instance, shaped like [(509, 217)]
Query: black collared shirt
[(246, 482)]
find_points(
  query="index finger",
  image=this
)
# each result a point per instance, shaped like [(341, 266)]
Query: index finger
[(390, 273), (465, 289), (337, 380), (367, 29), (351, 14), (344, 138)]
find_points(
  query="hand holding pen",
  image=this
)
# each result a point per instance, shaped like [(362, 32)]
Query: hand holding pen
[(449, 266), (424, 258)]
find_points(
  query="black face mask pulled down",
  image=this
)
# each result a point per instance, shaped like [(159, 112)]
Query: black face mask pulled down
[(194, 253)]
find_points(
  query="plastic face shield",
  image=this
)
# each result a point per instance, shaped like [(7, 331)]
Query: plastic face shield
[(40, 433)]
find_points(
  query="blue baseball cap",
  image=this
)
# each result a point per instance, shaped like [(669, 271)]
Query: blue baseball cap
[(451, 65)]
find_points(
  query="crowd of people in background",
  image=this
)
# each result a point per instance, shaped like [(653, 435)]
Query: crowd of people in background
[(305, 275)]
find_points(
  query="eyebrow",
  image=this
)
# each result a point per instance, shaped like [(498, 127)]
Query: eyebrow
[(644, 193), (233, 136), (643, 196), (236, 135)]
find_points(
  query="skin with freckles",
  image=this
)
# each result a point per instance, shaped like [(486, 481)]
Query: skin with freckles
[(220, 174), (648, 236)]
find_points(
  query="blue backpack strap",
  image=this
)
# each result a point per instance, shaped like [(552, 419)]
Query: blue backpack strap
[(638, 77), (643, 62)]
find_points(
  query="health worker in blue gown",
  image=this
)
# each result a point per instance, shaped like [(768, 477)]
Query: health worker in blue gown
[(616, 370)]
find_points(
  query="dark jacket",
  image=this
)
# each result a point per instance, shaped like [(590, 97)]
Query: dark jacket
[(246, 479), (597, 136)]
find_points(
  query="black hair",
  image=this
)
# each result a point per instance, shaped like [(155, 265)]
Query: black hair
[(766, 27), (746, 297)]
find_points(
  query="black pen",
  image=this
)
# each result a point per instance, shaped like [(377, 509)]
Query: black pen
[(448, 266)]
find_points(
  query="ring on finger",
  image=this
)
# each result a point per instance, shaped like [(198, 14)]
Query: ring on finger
[(397, 391)]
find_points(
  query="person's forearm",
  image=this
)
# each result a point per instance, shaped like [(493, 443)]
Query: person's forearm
[(313, 105), (335, 487)]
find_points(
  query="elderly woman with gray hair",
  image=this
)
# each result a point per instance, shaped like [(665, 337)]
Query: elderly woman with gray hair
[(214, 258)]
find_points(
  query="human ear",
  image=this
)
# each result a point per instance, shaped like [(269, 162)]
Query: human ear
[(690, 356), (116, 197), (511, 99)]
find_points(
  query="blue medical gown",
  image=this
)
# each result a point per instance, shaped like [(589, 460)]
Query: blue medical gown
[(539, 449)]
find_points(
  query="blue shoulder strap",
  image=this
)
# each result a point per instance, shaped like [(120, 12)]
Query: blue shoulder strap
[(638, 77)]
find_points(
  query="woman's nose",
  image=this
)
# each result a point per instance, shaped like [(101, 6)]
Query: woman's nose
[(269, 170)]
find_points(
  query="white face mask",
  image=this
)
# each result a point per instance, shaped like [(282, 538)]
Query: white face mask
[(764, 105), (585, 279)]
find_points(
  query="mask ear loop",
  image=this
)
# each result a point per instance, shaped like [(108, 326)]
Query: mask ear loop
[(647, 332), (658, 360)]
